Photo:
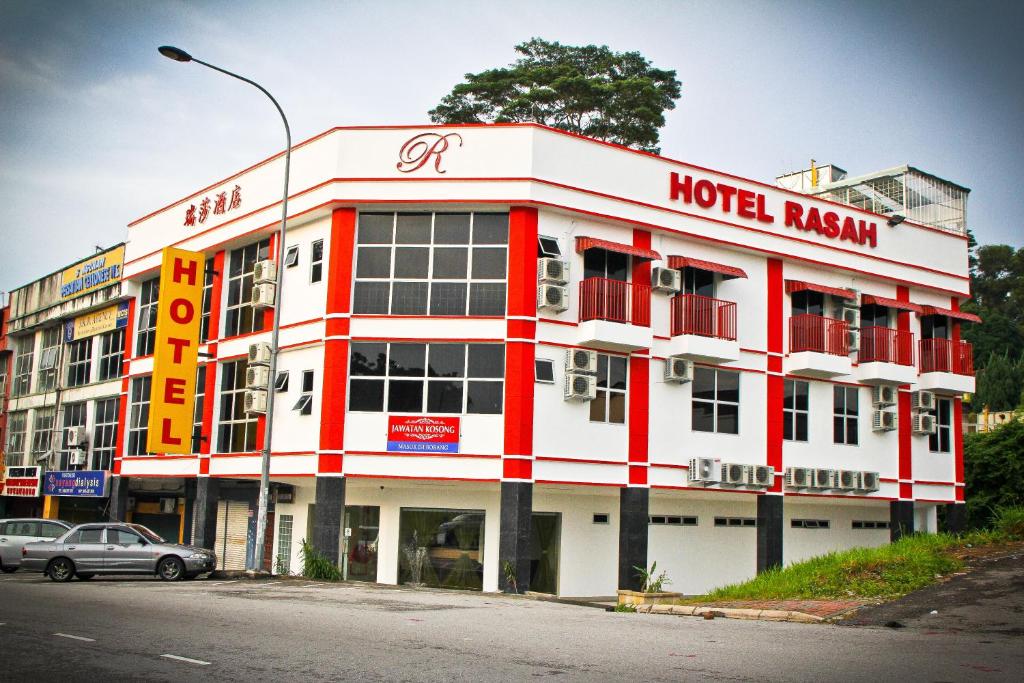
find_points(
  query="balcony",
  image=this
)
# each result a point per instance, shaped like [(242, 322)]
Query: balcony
[(946, 365), (886, 356), (704, 329), (615, 315), (818, 346)]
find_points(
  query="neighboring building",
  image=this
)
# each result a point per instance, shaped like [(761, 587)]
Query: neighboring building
[(66, 332), (987, 420), (434, 424)]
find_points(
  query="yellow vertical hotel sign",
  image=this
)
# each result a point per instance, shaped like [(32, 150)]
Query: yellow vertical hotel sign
[(176, 353)]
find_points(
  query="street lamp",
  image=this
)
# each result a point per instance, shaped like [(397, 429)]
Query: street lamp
[(180, 55)]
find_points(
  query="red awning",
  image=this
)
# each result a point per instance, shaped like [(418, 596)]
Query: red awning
[(801, 286), (950, 313), (687, 262), (584, 243), (890, 303)]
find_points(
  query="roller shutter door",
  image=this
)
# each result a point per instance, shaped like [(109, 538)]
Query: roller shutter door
[(232, 533)]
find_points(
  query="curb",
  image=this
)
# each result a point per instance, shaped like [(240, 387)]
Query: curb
[(731, 613), (239, 574)]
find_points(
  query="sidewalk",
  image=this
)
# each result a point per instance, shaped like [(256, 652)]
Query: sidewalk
[(805, 611)]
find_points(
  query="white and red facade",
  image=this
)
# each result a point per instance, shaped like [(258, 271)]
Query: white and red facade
[(616, 474)]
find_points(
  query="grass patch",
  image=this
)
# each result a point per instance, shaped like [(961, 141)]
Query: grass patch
[(316, 565)]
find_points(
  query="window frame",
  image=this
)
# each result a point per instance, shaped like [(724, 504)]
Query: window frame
[(17, 438), (138, 415), (604, 400), (79, 362), (24, 362), (43, 423), (943, 429), (791, 416), (237, 320), (50, 341), (715, 402), (106, 426), (111, 355), (232, 403), (149, 295), (845, 417), (74, 415), (316, 261)]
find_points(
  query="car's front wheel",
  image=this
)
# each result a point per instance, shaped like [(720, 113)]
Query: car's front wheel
[(61, 569), (171, 569)]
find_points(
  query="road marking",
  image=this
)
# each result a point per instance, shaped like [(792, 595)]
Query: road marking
[(68, 635), (186, 659), (221, 583)]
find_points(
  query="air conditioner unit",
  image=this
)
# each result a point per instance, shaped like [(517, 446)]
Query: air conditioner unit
[(580, 387), (255, 401), (799, 477), (264, 272), (552, 271), (580, 360), (259, 354), (849, 314), (667, 280), (853, 339), (263, 295), (704, 471), (554, 298), (678, 370), (74, 436), (735, 474), (869, 481), (883, 395), (847, 480), (923, 423), (922, 400), (761, 476), (257, 377), (883, 420), (168, 505), (77, 458), (824, 479)]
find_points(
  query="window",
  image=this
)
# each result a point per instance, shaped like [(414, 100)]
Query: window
[(316, 261), (87, 535), (672, 520), (17, 426), (147, 317), (610, 403), (281, 383), (204, 323), (427, 378), (237, 430), (111, 355), (436, 264), (104, 435), (307, 381), (606, 264), (807, 302), (445, 534), (601, 518), (809, 523), (873, 315), (24, 352), (198, 407), (284, 544), (48, 360), (42, 432), (20, 528), (548, 247), (51, 530), (138, 419), (735, 521), (305, 403), (716, 401), (241, 316), (934, 327), (544, 370), (698, 281), (941, 440), (74, 416), (291, 256), (869, 524), (844, 420), (80, 362), (795, 410), (123, 537)]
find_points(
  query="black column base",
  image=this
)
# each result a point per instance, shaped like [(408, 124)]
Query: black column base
[(327, 516), (189, 512), (118, 499), (956, 518), (901, 519), (514, 536), (634, 508), (204, 511), (769, 532)]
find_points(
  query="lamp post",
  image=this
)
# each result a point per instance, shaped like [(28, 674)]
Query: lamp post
[(179, 55)]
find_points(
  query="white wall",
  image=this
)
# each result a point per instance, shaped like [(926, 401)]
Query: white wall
[(802, 544)]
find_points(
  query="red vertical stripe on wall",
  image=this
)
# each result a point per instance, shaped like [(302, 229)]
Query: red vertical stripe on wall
[(268, 313), (519, 355), (773, 305), (904, 436), (774, 382), (639, 376), (336, 351), (122, 407)]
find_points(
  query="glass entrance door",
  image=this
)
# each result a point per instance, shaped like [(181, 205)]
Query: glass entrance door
[(362, 527), (544, 541)]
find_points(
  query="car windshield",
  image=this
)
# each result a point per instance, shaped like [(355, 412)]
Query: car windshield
[(146, 533)]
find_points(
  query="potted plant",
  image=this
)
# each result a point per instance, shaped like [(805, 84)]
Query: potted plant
[(651, 590)]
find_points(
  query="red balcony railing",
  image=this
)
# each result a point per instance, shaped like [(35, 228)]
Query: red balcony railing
[(886, 345), (702, 315), (817, 333), (946, 355), (614, 300)]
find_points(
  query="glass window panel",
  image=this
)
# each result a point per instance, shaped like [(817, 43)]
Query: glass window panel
[(448, 298), (838, 429), (409, 298), (489, 263), (594, 263), (703, 416), (484, 397), (618, 266), (617, 372), (405, 396), (451, 228), (444, 397), (729, 386), (453, 542), (412, 262), (703, 384), (788, 388), (617, 408), (413, 228), (374, 262), (802, 392), (599, 407), (487, 298), (851, 431), (407, 360), (447, 360), (487, 360), (367, 394), (787, 426), (801, 426), (376, 228), (490, 228), (371, 297), (838, 400), (728, 418), (451, 262), (602, 371)]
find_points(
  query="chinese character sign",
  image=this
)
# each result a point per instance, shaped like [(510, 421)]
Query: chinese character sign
[(218, 206)]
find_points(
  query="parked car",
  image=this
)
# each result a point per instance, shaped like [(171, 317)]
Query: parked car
[(115, 548), (15, 533)]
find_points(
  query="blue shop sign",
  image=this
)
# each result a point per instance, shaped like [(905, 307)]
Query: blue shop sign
[(85, 483)]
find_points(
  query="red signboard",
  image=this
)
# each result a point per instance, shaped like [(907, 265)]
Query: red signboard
[(422, 434), (23, 482)]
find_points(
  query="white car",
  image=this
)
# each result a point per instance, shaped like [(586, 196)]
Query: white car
[(15, 533)]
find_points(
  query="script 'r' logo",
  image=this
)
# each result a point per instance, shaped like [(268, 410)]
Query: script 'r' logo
[(420, 149)]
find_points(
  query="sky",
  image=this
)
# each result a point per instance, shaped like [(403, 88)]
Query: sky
[(98, 129)]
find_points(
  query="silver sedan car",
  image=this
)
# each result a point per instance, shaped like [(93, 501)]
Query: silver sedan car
[(115, 548), (14, 533)]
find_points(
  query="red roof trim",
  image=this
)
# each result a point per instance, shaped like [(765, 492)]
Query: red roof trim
[(950, 313), (584, 243), (891, 303), (687, 262), (801, 286)]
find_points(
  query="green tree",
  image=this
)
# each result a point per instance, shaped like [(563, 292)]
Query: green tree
[(997, 286), (993, 471), (615, 96), (998, 383)]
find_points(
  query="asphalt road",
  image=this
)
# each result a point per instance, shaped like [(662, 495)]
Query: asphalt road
[(113, 629)]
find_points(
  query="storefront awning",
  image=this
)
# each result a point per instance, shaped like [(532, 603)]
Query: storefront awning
[(950, 313), (801, 286), (890, 303), (584, 243), (687, 262)]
